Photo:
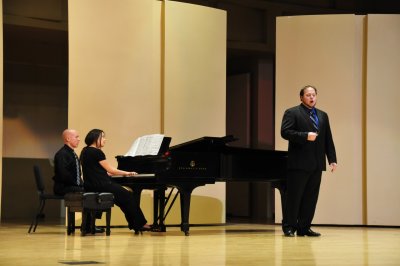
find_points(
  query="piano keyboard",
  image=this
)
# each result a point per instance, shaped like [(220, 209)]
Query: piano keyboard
[(138, 175)]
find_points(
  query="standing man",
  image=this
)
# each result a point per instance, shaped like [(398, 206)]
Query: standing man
[(67, 171), (310, 139)]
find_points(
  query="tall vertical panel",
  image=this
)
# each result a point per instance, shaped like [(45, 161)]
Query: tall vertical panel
[(238, 109), (382, 120), (326, 51), (265, 99), (1, 101), (114, 71), (238, 125), (195, 88)]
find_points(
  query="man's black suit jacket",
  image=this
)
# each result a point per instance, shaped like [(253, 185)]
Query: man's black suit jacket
[(66, 171), (304, 154)]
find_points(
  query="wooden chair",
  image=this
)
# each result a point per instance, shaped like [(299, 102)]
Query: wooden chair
[(43, 196)]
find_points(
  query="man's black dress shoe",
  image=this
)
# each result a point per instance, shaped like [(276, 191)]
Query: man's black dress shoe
[(289, 232), (308, 232), (97, 230)]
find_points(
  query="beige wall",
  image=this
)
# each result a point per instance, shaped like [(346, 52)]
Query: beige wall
[(195, 89), (325, 51), (112, 82), (356, 75), (124, 80), (195, 71), (1, 100), (382, 120)]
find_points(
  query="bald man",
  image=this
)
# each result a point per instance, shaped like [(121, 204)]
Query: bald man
[(67, 171)]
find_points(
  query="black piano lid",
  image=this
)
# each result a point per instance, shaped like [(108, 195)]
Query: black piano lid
[(204, 143)]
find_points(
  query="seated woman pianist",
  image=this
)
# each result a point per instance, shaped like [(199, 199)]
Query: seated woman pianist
[(97, 172)]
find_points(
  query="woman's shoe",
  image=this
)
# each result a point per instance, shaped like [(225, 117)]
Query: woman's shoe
[(147, 228)]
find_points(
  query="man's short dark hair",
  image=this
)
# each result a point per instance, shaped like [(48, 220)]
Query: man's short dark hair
[(305, 87)]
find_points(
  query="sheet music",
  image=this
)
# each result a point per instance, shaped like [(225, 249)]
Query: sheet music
[(146, 145)]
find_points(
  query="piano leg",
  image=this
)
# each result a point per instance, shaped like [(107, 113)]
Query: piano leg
[(159, 208), (281, 186), (185, 209), (185, 191)]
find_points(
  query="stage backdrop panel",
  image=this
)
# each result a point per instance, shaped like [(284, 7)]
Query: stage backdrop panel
[(1, 101), (326, 51), (382, 120), (195, 89)]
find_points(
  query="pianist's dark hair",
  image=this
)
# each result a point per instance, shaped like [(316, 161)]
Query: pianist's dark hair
[(93, 136), (305, 87)]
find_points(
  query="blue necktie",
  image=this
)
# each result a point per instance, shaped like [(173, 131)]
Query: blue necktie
[(314, 119)]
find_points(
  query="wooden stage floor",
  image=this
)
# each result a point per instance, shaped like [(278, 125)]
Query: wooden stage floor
[(232, 244)]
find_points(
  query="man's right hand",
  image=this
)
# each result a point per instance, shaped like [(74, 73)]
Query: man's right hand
[(312, 136)]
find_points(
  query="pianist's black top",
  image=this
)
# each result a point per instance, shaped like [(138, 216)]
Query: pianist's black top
[(94, 175)]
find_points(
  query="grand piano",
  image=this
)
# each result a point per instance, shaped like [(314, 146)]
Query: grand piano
[(197, 163)]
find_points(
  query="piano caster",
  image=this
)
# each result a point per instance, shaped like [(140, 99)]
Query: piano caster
[(186, 233)]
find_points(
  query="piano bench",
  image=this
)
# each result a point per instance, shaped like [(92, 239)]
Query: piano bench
[(88, 203)]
